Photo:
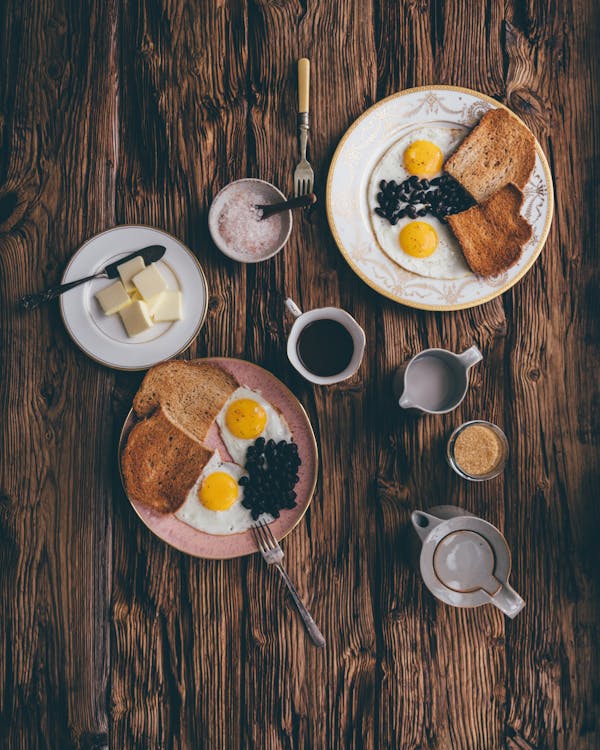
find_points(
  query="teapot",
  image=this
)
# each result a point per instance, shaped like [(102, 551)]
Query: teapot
[(465, 561)]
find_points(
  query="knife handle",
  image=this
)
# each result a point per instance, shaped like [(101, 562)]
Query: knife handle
[(31, 301), (303, 84)]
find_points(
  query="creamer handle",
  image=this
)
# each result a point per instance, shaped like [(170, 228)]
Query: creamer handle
[(471, 356)]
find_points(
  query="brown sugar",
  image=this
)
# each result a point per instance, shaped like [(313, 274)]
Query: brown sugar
[(477, 450)]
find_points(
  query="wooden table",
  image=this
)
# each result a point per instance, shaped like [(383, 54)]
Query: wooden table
[(129, 112)]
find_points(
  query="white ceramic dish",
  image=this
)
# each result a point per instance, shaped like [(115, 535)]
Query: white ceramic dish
[(350, 215), (103, 337)]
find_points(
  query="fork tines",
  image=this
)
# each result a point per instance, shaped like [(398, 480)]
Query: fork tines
[(264, 537)]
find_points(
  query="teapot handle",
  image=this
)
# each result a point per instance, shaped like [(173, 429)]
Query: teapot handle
[(507, 600), (470, 357), (424, 523)]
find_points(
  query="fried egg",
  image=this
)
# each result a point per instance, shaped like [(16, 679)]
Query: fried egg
[(247, 416), (214, 504), (424, 246)]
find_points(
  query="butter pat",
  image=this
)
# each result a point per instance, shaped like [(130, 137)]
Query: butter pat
[(128, 270), (113, 298), (136, 318), (154, 302), (149, 282), (168, 307)]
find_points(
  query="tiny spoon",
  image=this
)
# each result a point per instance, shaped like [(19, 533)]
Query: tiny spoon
[(275, 208)]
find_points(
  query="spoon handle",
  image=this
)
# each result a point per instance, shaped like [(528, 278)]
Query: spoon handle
[(275, 208), (31, 301)]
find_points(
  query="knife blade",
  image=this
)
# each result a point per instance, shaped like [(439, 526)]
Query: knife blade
[(149, 254)]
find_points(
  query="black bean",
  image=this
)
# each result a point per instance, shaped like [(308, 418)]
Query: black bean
[(382, 184), (243, 481), (380, 197), (413, 181), (422, 212), (419, 197), (381, 212), (394, 220), (424, 184), (412, 212), (435, 181), (402, 213), (392, 184)]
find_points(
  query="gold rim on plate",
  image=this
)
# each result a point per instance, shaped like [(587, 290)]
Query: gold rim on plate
[(313, 440), (391, 295), (190, 340)]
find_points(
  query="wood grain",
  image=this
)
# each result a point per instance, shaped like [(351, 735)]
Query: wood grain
[(139, 113)]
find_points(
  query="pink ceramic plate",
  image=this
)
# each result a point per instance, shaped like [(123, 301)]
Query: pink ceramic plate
[(187, 539)]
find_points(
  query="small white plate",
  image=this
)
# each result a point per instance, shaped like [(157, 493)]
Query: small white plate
[(103, 337), (350, 215)]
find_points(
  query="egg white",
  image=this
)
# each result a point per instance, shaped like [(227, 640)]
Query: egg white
[(447, 262), (276, 427), (231, 521)]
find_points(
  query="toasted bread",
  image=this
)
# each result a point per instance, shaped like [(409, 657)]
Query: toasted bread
[(493, 234), (192, 393), (497, 151), (161, 463)]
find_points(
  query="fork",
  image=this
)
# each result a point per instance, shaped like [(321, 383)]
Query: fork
[(304, 177), (273, 555)]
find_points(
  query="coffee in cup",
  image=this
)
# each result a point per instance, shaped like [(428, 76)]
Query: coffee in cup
[(325, 345)]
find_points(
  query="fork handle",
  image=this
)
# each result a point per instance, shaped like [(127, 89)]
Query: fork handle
[(303, 84), (313, 631)]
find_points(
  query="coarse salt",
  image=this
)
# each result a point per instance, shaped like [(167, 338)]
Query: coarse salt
[(239, 226)]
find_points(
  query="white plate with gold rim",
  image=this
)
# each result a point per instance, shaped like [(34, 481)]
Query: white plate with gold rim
[(103, 337), (348, 211)]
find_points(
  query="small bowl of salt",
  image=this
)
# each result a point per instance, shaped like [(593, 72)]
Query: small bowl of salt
[(236, 226)]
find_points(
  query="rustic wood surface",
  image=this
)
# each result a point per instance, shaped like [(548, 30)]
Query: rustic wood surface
[(118, 112)]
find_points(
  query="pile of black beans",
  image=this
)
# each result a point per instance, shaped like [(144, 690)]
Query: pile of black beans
[(440, 197), (272, 475)]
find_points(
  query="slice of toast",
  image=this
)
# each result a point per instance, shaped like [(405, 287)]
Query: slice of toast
[(161, 463), (497, 151), (192, 393), (493, 234)]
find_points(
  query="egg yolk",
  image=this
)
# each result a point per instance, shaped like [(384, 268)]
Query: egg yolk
[(423, 158), (246, 419), (218, 491), (419, 239)]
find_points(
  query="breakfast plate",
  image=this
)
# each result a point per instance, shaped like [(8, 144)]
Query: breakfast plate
[(429, 109), (103, 337), (194, 542)]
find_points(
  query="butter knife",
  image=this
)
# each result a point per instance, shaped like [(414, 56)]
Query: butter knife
[(149, 254)]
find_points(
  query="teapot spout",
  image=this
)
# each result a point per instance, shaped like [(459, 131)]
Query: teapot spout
[(507, 600)]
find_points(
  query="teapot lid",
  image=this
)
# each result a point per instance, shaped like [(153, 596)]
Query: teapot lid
[(464, 561)]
